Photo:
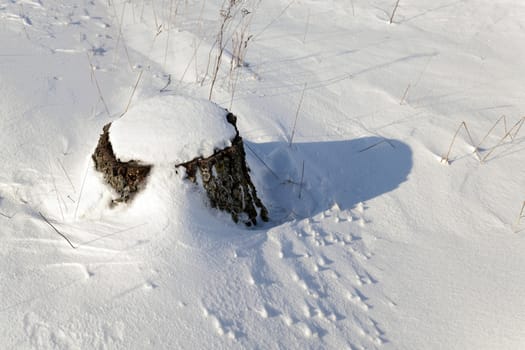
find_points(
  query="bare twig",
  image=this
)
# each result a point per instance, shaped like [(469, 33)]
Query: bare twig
[(394, 12), (56, 230), (297, 114)]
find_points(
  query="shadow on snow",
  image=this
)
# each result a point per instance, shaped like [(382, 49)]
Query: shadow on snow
[(335, 172)]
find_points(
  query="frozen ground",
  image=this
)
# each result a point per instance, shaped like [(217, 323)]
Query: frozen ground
[(376, 245)]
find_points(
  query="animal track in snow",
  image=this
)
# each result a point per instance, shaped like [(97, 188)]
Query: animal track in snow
[(222, 326)]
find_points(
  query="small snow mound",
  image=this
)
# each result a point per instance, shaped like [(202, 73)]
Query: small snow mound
[(171, 129)]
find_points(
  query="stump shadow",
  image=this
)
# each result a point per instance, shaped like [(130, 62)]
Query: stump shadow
[(335, 172)]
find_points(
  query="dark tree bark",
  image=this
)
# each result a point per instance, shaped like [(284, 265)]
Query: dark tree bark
[(226, 179), (126, 178)]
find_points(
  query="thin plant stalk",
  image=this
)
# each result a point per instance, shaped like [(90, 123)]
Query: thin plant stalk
[(262, 161), (94, 78), (297, 114), (67, 175), (220, 41), (301, 183), (520, 216), (120, 35), (132, 93), (517, 126), (403, 99), (274, 19), (81, 190), (394, 12), (56, 230), (306, 27), (493, 127), (464, 125)]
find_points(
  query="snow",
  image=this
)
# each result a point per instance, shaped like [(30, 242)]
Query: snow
[(170, 129), (376, 244)]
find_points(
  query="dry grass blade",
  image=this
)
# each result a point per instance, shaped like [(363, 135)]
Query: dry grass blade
[(516, 126), (306, 26), (464, 125), (56, 230), (519, 127), (262, 161), (520, 216), (394, 12), (403, 99), (376, 144), (297, 114), (504, 118), (275, 19), (94, 78), (301, 183), (81, 190), (67, 175), (132, 93)]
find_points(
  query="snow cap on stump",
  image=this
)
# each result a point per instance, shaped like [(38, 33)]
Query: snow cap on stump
[(171, 129), (184, 132)]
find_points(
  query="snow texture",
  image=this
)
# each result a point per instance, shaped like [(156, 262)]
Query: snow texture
[(170, 129)]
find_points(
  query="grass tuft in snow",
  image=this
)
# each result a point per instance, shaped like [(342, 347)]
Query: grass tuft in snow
[(511, 133)]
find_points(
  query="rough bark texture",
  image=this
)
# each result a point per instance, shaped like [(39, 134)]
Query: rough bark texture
[(226, 179), (126, 178)]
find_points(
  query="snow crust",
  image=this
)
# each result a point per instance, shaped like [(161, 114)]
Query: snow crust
[(170, 129)]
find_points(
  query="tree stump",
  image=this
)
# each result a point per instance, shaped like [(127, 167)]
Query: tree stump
[(126, 178), (223, 174), (226, 179)]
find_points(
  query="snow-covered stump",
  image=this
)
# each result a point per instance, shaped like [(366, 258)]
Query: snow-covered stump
[(226, 179), (196, 135), (126, 178)]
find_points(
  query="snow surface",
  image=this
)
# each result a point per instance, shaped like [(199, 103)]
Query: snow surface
[(170, 129), (377, 244)]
